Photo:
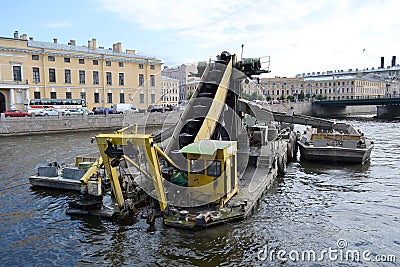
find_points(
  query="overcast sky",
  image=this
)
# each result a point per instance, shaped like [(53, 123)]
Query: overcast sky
[(298, 36)]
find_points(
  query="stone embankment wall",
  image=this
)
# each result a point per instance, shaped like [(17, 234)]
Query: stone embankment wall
[(38, 125), (303, 108), (306, 108)]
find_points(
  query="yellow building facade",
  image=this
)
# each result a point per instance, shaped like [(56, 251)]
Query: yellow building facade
[(36, 70), (330, 87)]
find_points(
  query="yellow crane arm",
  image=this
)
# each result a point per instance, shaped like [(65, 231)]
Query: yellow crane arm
[(92, 170)]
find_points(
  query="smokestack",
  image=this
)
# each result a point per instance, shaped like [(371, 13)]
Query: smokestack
[(393, 61), (16, 35), (382, 62), (55, 40), (117, 47)]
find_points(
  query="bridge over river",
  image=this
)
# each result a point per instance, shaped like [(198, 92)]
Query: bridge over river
[(386, 107)]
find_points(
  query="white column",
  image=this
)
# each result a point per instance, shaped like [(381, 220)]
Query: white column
[(12, 101)]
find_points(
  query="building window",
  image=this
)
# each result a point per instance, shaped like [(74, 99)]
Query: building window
[(121, 98), (52, 58), (82, 77), (67, 76), (83, 95), (121, 79), (53, 95), (35, 57), (36, 95), (95, 62), (96, 98), (108, 63), (120, 64), (152, 67), (109, 98), (52, 75), (67, 60), (141, 98), (152, 80), (95, 77), (141, 80), (109, 78), (81, 61), (68, 95), (140, 66), (17, 73), (153, 98), (36, 75)]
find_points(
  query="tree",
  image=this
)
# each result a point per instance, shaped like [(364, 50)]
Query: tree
[(190, 95), (290, 97), (320, 97)]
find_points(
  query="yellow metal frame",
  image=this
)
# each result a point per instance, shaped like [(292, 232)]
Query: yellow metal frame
[(92, 170), (152, 158)]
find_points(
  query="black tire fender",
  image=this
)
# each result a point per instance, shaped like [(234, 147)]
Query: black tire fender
[(282, 164), (290, 151)]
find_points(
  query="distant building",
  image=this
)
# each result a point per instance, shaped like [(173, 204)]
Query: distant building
[(170, 91), (251, 88), (390, 75), (189, 89), (281, 87), (183, 73), (345, 87), (35, 69), (329, 87)]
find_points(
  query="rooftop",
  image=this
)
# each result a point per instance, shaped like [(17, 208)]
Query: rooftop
[(83, 49), (343, 77), (206, 147)]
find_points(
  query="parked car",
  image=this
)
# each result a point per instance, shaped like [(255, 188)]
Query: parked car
[(102, 110), (168, 108), (156, 108), (16, 113), (87, 111), (78, 111), (123, 108), (48, 112)]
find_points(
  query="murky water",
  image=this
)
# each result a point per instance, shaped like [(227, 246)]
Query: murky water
[(315, 207)]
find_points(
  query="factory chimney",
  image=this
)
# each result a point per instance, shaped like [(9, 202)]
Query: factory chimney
[(382, 62), (393, 61)]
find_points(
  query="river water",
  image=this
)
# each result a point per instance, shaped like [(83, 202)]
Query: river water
[(335, 211)]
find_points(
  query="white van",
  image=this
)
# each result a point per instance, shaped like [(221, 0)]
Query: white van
[(124, 108)]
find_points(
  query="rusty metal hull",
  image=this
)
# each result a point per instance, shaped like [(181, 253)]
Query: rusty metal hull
[(335, 154)]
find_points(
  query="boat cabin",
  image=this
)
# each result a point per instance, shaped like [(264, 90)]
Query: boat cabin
[(212, 170)]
